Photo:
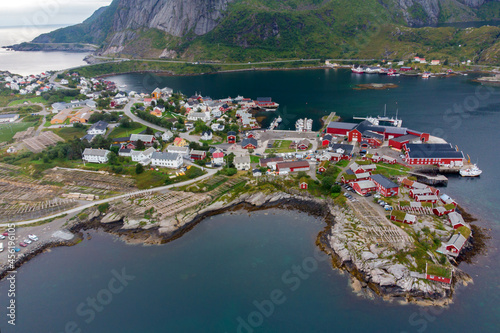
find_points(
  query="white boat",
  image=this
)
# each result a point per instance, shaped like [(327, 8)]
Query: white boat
[(357, 70), (426, 75), (473, 171)]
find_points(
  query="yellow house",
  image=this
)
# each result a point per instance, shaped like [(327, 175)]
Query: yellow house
[(156, 94), (156, 112), (180, 142)]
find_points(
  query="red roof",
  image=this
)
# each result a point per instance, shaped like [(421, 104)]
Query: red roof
[(218, 155)]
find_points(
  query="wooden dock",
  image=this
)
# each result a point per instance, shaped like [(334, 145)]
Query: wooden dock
[(434, 180)]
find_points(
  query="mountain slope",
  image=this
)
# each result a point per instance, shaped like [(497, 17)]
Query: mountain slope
[(266, 29)]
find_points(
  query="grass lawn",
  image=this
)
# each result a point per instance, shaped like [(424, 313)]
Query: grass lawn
[(38, 99), (391, 169), (135, 128), (281, 146), (254, 159), (342, 163), (68, 133), (7, 131)]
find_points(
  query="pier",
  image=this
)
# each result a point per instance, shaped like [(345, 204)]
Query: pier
[(437, 180)]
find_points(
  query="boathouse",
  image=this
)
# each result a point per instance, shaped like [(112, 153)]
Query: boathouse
[(385, 186)]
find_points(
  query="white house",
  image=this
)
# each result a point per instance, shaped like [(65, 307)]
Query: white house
[(216, 112), (207, 135), (167, 135), (183, 151), (95, 155), (8, 118), (142, 157), (218, 157), (217, 127), (242, 162), (194, 116), (98, 128), (168, 160)]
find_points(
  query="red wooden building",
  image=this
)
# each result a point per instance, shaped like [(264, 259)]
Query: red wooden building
[(432, 154), (249, 143), (292, 166), (303, 184), (231, 137), (326, 139), (363, 187), (384, 186), (198, 154)]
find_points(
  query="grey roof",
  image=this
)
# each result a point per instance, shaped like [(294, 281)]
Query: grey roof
[(435, 150), (164, 156), (341, 125), (198, 152), (88, 137), (10, 115), (247, 141), (231, 133), (372, 134), (95, 152), (328, 137), (347, 148), (242, 159), (395, 130), (142, 137), (125, 150), (457, 240), (100, 125), (383, 181), (456, 218), (407, 137)]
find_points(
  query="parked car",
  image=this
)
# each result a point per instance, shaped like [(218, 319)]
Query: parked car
[(23, 244), (27, 241), (33, 237), (2, 237), (5, 234)]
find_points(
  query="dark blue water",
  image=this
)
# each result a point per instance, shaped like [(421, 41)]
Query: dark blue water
[(206, 280)]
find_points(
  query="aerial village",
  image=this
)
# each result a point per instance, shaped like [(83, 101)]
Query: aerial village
[(388, 177)]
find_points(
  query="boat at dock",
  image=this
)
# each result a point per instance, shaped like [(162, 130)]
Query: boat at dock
[(472, 171), (275, 123), (357, 70), (304, 125)]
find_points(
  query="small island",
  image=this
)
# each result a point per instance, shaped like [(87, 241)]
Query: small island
[(375, 86)]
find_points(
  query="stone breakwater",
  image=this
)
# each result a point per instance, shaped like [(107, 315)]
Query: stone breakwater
[(372, 267)]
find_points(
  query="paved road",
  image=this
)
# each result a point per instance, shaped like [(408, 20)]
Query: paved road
[(210, 172), (208, 63)]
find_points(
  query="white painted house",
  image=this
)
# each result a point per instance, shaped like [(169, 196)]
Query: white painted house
[(242, 162), (8, 118), (167, 136), (168, 160), (95, 155), (207, 135), (98, 128)]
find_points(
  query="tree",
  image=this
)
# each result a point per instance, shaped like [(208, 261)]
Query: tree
[(112, 158), (327, 182), (125, 122), (140, 145), (78, 125), (139, 168), (149, 131)]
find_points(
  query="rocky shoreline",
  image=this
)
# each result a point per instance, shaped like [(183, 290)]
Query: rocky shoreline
[(369, 271)]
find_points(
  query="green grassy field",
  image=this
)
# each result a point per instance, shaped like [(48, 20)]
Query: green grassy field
[(38, 99), (69, 133), (135, 128), (7, 131), (280, 146)]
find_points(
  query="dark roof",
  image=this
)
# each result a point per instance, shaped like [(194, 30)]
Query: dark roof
[(371, 134), (365, 125), (164, 156), (293, 164), (264, 161), (395, 130), (437, 150), (121, 139), (247, 141), (383, 181), (124, 150), (263, 99), (341, 125), (231, 133), (349, 172), (347, 148), (100, 125), (328, 137), (407, 137), (88, 137)]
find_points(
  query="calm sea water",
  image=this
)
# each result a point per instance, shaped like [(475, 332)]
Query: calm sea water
[(211, 279), (25, 63)]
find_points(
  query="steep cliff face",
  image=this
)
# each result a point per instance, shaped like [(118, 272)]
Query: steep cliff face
[(166, 28)]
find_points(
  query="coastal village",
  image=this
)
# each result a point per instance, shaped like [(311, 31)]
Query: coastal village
[(157, 160)]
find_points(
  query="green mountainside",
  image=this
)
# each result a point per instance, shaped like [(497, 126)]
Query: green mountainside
[(253, 30)]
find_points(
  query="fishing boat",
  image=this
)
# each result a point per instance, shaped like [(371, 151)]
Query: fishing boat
[(304, 125), (472, 171), (426, 75), (357, 70)]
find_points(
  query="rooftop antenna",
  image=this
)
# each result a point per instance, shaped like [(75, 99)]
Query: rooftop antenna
[(385, 109)]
